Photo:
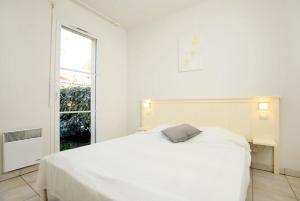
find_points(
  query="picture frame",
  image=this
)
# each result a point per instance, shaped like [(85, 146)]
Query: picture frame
[(190, 53)]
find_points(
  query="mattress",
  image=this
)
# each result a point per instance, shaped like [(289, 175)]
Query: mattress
[(145, 166)]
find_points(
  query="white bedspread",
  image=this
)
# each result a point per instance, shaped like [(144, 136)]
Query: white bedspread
[(214, 166)]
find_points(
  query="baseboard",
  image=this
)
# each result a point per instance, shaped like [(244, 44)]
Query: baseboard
[(269, 168), (261, 166), (19, 172), (291, 172)]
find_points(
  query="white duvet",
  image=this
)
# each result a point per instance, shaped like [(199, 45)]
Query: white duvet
[(214, 166)]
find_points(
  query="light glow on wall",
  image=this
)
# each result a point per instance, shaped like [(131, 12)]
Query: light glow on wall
[(263, 106), (147, 104)]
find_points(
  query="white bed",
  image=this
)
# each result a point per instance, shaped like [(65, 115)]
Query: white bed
[(145, 166)]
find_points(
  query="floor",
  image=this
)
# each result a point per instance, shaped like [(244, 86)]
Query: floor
[(21, 189), (264, 186)]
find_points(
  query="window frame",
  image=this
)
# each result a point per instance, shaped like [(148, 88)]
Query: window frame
[(93, 74)]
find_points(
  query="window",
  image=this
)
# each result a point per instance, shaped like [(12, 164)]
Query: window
[(77, 89)]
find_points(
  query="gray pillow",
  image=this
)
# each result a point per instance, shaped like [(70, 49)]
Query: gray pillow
[(181, 133)]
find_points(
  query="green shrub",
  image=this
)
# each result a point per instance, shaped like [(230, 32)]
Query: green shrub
[(75, 126), (79, 97)]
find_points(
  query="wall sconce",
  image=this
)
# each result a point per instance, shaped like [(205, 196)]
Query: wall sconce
[(263, 110), (263, 106), (147, 104)]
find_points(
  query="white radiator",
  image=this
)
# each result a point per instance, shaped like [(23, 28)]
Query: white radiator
[(21, 149)]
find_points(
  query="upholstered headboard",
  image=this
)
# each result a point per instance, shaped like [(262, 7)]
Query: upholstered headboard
[(241, 115)]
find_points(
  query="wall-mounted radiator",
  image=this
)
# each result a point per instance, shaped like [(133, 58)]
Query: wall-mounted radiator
[(21, 149)]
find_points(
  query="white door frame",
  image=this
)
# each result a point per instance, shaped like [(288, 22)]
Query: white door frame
[(56, 73)]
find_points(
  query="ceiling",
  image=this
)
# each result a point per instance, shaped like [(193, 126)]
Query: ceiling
[(130, 13)]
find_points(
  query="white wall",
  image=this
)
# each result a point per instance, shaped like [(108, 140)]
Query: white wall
[(24, 66), (251, 49), (25, 63)]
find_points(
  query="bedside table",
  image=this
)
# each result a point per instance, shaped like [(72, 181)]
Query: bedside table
[(141, 129), (269, 143)]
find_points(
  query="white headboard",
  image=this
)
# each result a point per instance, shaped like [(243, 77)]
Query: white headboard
[(241, 115)]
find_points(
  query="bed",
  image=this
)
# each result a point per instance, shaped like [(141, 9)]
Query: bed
[(145, 166)]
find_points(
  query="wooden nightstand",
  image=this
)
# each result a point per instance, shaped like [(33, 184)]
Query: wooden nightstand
[(269, 143)]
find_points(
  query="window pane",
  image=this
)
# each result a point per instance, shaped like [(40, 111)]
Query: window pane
[(76, 51), (69, 78), (75, 130), (75, 98), (75, 91)]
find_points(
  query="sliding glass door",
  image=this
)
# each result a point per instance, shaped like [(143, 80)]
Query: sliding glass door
[(76, 89)]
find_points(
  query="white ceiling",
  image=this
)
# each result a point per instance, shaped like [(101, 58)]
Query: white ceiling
[(130, 13)]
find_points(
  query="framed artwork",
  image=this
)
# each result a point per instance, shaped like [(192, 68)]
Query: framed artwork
[(190, 57)]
